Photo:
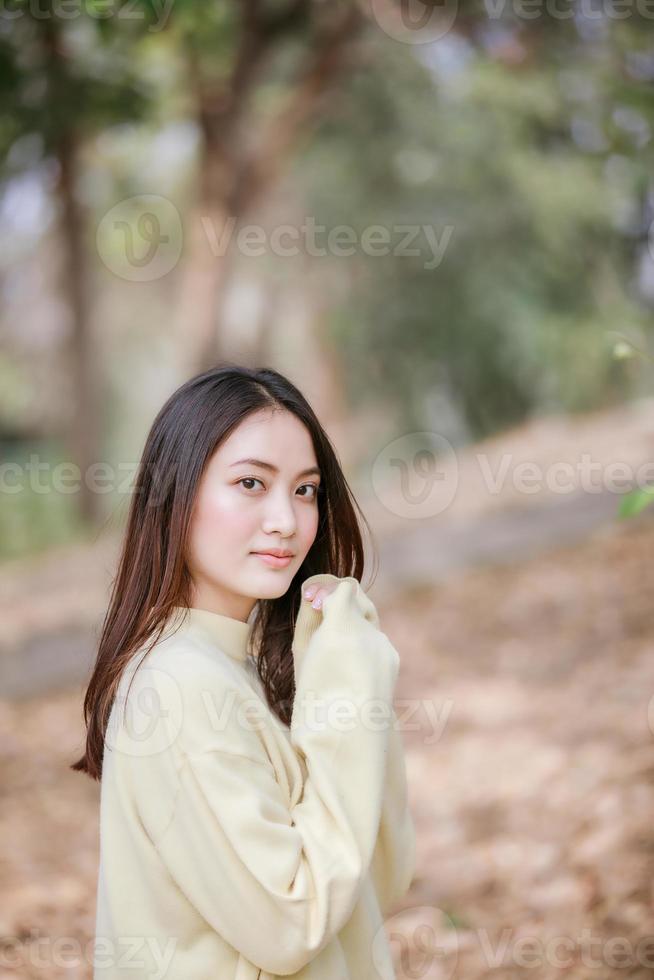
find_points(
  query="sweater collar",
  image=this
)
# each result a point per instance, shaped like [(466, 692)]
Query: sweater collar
[(230, 635)]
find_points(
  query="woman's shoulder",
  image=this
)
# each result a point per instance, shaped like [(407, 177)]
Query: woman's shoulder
[(187, 654), (185, 667), (194, 691)]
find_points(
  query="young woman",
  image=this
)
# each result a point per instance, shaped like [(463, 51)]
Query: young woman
[(254, 818)]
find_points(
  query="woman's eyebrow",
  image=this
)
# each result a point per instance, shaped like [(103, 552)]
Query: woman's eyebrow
[(313, 470)]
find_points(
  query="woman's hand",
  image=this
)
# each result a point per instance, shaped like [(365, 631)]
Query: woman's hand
[(315, 593)]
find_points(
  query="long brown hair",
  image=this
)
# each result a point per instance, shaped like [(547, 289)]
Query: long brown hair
[(153, 575)]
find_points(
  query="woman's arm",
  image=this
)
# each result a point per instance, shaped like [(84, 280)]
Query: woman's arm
[(394, 860)]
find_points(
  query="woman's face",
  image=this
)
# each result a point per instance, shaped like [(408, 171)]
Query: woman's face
[(243, 507)]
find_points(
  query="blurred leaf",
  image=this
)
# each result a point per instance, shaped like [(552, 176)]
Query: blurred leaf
[(635, 501)]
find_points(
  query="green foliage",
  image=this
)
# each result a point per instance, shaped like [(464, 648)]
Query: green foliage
[(537, 269), (35, 512), (636, 501), (66, 75)]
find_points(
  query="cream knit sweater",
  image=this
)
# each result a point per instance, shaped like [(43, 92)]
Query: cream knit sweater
[(233, 847)]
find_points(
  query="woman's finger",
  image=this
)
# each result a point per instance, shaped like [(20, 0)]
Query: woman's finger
[(315, 594)]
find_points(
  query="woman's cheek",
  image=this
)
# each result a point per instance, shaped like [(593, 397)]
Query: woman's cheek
[(209, 520), (234, 516), (216, 503), (308, 526)]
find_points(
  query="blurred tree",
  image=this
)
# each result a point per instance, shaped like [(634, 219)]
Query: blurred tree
[(259, 76), (523, 148), (63, 80)]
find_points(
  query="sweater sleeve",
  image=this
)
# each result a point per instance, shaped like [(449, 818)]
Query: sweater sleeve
[(394, 860), (279, 883)]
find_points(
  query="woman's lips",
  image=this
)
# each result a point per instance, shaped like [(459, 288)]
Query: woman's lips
[(273, 560)]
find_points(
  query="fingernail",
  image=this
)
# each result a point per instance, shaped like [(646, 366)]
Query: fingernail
[(317, 603)]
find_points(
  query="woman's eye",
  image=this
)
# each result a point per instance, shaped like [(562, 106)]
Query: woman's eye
[(311, 486), (249, 479)]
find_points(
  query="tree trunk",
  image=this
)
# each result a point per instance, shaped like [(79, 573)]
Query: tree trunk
[(234, 178), (83, 436)]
